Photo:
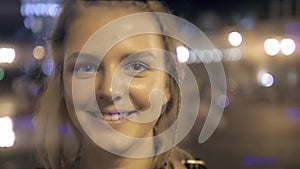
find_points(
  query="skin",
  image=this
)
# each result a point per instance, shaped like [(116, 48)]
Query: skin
[(140, 75)]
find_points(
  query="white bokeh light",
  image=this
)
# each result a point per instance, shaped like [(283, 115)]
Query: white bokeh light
[(235, 38), (7, 135), (272, 47), (266, 79), (7, 55), (223, 101), (287, 46), (183, 54)]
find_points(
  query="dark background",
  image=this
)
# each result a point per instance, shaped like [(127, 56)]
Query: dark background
[(259, 128)]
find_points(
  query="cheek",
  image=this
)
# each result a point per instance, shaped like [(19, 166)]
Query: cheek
[(69, 101), (77, 93), (140, 90)]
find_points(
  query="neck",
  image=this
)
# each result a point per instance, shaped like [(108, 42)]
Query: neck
[(94, 157)]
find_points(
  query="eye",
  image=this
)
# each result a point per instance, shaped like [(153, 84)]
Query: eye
[(136, 67), (85, 70)]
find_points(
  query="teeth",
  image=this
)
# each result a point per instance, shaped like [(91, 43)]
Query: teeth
[(113, 117), (107, 117)]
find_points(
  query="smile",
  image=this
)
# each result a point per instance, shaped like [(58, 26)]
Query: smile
[(111, 116)]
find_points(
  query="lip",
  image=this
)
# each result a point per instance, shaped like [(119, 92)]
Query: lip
[(113, 111), (116, 123), (119, 116)]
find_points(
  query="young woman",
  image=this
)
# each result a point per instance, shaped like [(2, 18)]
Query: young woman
[(99, 104)]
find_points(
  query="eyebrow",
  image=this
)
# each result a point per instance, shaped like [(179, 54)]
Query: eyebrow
[(139, 54), (96, 59), (86, 55)]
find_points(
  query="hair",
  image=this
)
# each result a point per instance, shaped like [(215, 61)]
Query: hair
[(53, 125)]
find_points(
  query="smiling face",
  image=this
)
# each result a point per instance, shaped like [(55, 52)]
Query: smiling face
[(127, 90)]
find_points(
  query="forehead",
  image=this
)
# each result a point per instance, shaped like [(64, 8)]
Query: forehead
[(92, 18)]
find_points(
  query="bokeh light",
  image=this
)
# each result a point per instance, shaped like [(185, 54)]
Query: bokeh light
[(37, 25), (7, 55), (183, 54), (235, 38), (53, 10), (39, 52), (39, 15), (33, 89), (7, 135), (223, 101), (232, 54), (292, 77), (215, 55), (40, 9), (208, 56), (47, 67), (272, 47), (247, 22), (287, 46), (2, 73), (252, 160), (29, 22), (265, 79), (293, 113)]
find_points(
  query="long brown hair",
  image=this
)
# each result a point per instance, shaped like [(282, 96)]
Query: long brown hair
[(52, 118)]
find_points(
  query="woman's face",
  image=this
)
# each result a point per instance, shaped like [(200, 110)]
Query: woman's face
[(127, 90)]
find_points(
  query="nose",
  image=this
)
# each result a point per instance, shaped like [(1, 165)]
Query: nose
[(104, 89), (104, 86)]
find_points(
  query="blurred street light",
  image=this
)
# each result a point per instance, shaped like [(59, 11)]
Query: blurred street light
[(183, 54), (38, 15), (287, 46), (235, 39), (7, 55), (272, 47), (39, 52), (265, 79), (7, 135)]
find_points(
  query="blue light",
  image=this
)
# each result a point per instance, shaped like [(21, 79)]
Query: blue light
[(293, 113), (33, 89), (22, 10), (247, 23), (29, 22), (223, 101), (47, 67), (258, 160), (266, 79), (64, 130), (45, 10), (38, 10), (24, 122), (53, 10), (29, 9), (28, 66)]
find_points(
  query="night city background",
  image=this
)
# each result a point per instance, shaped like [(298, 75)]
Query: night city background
[(259, 41)]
